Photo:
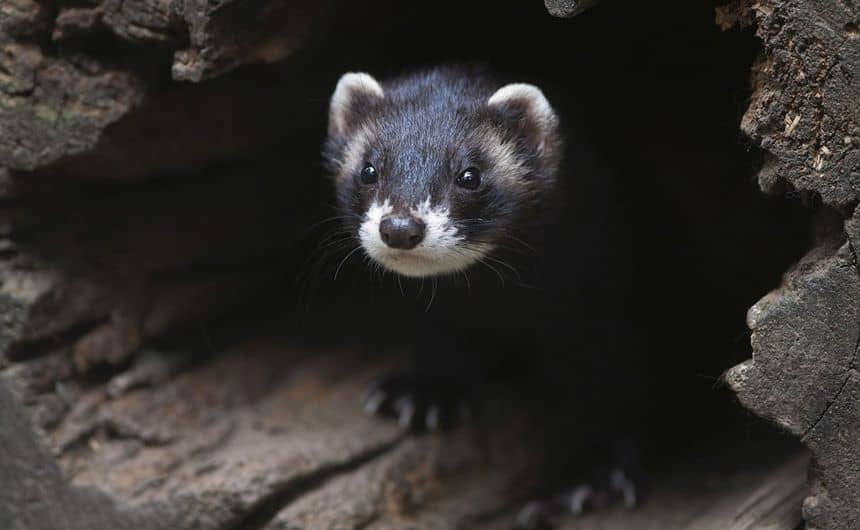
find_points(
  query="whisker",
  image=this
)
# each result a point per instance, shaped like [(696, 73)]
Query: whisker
[(351, 252), (520, 241), (506, 265), (499, 274), (432, 294), (319, 255), (331, 241)]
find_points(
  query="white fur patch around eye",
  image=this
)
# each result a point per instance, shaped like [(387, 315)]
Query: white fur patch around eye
[(442, 251)]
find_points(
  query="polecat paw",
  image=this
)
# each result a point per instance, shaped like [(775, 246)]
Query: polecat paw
[(617, 487), (419, 402)]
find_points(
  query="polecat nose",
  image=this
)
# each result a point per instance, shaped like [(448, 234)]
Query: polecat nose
[(401, 232)]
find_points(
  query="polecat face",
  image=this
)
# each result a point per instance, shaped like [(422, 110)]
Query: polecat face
[(436, 170)]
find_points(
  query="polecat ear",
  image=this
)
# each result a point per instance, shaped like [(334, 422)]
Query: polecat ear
[(526, 105), (356, 93)]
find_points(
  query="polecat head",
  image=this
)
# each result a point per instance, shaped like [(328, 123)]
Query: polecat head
[(438, 169)]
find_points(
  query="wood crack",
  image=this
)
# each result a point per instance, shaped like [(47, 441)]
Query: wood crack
[(268, 508), (851, 365)]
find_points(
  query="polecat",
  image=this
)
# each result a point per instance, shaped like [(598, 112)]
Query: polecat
[(448, 172)]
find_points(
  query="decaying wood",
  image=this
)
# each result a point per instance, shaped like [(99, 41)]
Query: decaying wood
[(803, 375), (285, 446), (100, 429), (60, 100), (568, 8), (804, 108)]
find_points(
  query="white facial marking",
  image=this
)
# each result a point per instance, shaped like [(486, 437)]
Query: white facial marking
[(440, 234), (442, 251), (368, 232)]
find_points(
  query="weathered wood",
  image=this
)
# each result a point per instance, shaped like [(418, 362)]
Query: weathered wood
[(568, 8), (50, 108), (804, 109), (285, 446), (806, 335), (70, 73), (764, 499), (205, 449), (100, 430), (803, 375), (35, 494)]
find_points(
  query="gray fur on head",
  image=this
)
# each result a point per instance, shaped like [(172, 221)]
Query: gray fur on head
[(420, 133)]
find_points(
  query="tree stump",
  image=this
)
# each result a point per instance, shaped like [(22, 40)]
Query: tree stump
[(148, 379), (803, 375)]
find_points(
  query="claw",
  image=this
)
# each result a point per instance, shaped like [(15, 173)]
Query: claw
[(418, 402), (616, 486), (578, 499), (373, 402), (405, 408)]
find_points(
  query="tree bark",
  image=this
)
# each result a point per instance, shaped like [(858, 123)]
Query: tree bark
[(805, 114)]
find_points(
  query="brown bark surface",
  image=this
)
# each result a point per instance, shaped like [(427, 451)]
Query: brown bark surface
[(805, 114)]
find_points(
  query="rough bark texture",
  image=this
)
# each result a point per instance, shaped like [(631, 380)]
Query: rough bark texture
[(68, 73), (568, 8), (803, 375), (206, 449), (51, 108)]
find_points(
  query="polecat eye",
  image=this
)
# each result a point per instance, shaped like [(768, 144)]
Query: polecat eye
[(369, 174), (470, 179)]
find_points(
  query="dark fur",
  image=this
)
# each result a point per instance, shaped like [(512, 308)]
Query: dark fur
[(563, 313)]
